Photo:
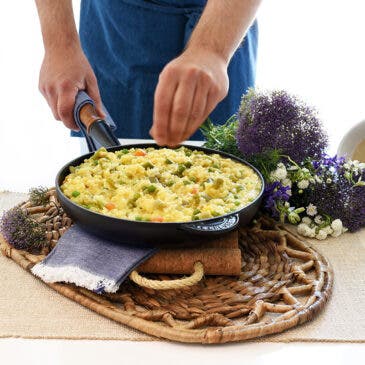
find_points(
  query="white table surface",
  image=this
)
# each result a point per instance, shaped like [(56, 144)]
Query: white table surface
[(39, 167)]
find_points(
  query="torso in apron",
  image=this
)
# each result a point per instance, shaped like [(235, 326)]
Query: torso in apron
[(128, 43)]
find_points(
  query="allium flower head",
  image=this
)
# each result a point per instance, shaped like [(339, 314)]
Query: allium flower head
[(279, 121), (344, 197), (21, 231)]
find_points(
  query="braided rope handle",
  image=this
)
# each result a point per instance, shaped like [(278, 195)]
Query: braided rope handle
[(194, 278)]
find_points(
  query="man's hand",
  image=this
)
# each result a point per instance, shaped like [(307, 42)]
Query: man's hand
[(192, 85), (62, 74), (188, 89)]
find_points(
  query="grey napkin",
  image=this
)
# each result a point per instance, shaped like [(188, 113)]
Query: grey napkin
[(91, 262)]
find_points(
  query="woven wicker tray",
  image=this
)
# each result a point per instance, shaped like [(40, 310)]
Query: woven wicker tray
[(284, 282)]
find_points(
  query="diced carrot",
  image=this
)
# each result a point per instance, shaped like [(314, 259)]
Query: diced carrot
[(194, 191), (109, 206), (139, 153), (157, 219)]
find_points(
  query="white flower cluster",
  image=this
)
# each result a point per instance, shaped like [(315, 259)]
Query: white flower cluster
[(317, 227), (281, 175), (354, 166)]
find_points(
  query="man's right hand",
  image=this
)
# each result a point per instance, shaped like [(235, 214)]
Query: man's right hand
[(64, 72)]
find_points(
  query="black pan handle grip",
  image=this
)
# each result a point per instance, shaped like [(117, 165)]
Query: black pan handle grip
[(97, 128), (222, 225)]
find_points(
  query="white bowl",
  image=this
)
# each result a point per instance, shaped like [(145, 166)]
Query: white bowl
[(352, 144)]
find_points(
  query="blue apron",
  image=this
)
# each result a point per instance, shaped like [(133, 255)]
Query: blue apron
[(128, 43)]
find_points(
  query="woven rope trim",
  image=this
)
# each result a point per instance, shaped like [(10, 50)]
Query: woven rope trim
[(193, 279), (284, 282)]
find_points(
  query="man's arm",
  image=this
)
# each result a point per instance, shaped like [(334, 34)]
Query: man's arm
[(192, 85), (65, 69)]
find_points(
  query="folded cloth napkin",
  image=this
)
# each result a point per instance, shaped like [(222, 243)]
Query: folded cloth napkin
[(83, 98), (91, 262)]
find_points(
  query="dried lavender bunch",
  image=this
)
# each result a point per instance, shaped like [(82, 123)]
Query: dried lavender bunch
[(38, 195), (279, 121), (21, 231)]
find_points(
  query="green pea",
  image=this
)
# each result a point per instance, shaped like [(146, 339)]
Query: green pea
[(75, 193), (168, 162), (138, 218), (237, 203), (188, 164), (187, 182), (196, 212), (148, 165), (180, 169), (169, 183), (151, 188), (192, 178), (214, 213), (195, 218)]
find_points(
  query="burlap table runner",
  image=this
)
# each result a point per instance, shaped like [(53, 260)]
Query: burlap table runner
[(29, 309)]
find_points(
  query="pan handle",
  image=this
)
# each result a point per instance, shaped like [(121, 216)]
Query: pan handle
[(96, 128), (223, 225)]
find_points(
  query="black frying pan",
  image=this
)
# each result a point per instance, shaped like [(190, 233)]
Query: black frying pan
[(124, 230)]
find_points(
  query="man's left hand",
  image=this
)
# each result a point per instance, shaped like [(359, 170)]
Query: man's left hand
[(189, 88)]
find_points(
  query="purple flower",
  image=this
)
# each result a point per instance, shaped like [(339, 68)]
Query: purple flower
[(337, 195), (21, 231), (279, 121), (275, 194)]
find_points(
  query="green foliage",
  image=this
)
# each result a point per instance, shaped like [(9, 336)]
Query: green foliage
[(221, 137)]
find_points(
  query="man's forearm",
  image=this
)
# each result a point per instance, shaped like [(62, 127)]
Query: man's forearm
[(57, 23), (223, 25)]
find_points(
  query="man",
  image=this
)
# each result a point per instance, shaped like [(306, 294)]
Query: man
[(162, 66)]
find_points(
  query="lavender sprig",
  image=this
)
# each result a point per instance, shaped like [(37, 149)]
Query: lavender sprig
[(21, 231)]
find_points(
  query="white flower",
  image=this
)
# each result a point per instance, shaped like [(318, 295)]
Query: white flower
[(286, 182), (304, 169), (318, 219), (346, 165), (306, 231), (279, 174), (280, 165), (362, 165), (293, 168), (336, 225), (328, 229), (311, 210), (336, 233), (328, 181), (321, 235), (312, 180), (311, 232), (303, 184), (303, 229), (306, 220)]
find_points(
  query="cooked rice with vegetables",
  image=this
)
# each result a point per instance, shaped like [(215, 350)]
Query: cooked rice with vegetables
[(161, 185)]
